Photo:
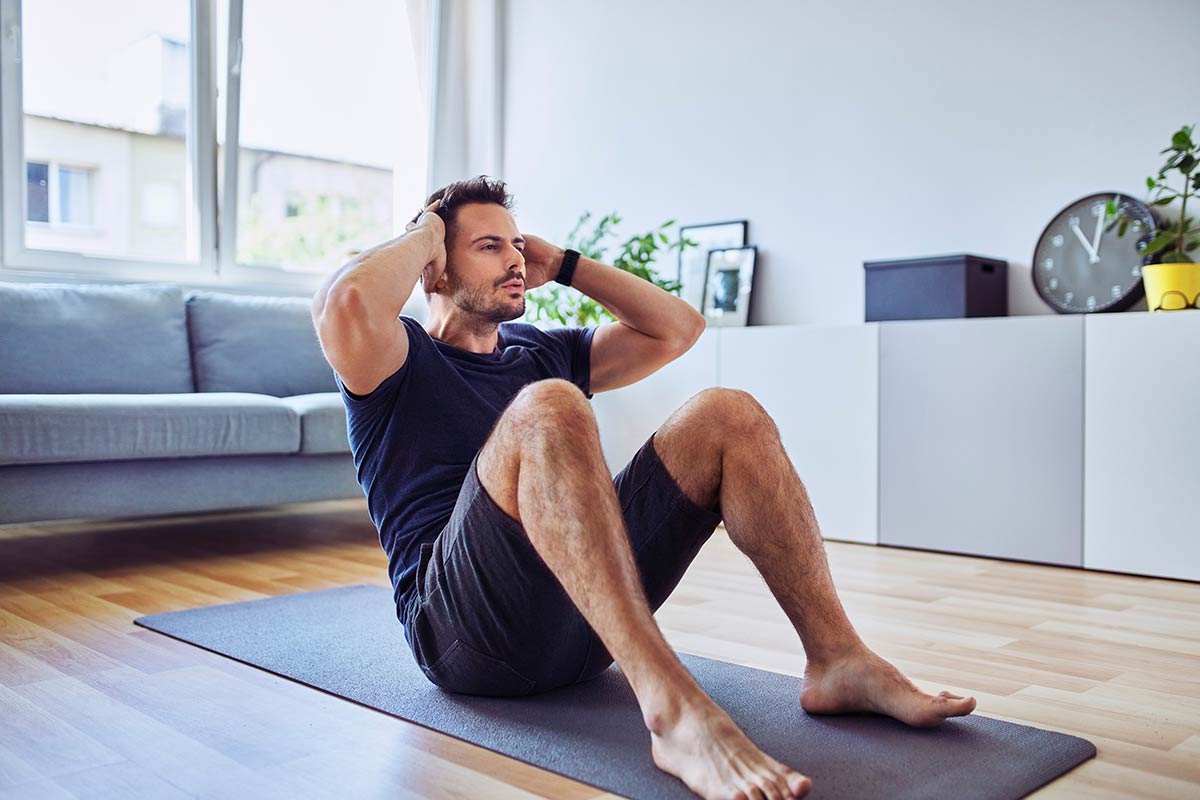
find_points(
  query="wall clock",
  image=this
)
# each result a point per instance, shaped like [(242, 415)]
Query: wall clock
[(1081, 265)]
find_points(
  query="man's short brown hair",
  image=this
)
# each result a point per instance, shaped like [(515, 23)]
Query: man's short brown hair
[(481, 189)]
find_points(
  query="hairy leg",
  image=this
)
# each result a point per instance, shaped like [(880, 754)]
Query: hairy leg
[(724, 451), (543, 465)]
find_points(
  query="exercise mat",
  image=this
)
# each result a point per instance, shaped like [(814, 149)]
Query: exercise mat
[(347, 641)]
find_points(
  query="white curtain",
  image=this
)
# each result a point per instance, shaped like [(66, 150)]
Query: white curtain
[(459, 50), (458, 46)]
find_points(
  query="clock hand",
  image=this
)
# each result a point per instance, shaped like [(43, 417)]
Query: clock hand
[(1096, 237), (1086, 244)]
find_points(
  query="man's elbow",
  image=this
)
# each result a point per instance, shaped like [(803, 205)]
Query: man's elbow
[(699, 323)]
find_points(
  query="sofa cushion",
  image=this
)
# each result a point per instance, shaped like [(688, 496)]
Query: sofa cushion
[(266, 345), (50, 428), (322, 422), (68, 338)]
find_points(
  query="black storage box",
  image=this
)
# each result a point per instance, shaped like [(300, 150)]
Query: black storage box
[(940, 287)]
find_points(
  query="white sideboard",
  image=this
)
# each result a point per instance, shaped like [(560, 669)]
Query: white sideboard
[(1142, 444), (1058, 439), (981, 436), (821, 386), (629, 415)]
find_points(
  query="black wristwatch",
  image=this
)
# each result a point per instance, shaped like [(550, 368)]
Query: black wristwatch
[(567, 270)]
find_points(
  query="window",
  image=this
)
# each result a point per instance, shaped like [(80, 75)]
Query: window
[(38, 192), (57, 194), (125, 177), (320, 139), (74, 196), (105, 84)]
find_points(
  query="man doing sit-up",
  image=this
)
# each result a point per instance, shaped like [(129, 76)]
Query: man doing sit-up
[(519, 563)]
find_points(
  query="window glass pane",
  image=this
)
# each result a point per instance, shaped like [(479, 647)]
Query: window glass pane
[(332, 127), (37, 179), (74, 196), (107, 88)]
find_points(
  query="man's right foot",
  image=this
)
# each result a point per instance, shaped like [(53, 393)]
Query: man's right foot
[(697, 742)]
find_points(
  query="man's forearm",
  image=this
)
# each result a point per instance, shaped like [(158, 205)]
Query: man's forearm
[(384, 276), (638, 303)]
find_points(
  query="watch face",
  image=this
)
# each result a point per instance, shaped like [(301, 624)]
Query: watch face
[(1079, 266)]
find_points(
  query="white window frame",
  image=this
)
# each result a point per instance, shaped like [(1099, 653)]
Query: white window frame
[(216, 264)]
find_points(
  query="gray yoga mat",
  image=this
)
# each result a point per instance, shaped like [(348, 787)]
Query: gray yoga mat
[(348, 642)]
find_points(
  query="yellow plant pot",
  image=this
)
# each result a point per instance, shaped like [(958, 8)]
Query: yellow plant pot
[(1171, 287)]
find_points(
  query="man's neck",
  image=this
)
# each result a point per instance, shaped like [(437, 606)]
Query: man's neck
[(465, 333)]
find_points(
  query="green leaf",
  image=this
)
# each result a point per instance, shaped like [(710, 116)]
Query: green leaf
[(1123, 228), (1150, 184), (1192, 246), (1181, 140), (1187, 163), (1162, 202), (1158, 243)]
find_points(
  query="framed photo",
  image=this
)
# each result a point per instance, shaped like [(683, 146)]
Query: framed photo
[(693, 261), (730, 277)]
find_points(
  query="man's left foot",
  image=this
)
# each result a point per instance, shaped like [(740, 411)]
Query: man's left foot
[(865, 682)]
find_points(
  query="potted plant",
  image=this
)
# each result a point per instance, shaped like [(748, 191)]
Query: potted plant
[(637, 255), (1174, 282)]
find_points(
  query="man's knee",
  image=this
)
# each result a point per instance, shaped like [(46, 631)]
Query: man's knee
[(732, 412), (547, 419), (551, 404)]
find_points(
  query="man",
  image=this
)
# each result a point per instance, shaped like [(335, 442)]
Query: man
[(519, 563)]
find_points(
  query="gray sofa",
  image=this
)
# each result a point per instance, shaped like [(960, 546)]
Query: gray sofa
[(120, 401)]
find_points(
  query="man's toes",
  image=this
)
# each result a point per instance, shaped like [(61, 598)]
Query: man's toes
[(790, 782), (953, 705), (746, 790), (761, 783), (798, 784)]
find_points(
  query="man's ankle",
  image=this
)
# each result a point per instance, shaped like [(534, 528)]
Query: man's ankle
[(832, 652), (667, 702)]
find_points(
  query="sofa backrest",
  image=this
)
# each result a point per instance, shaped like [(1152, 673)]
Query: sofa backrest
[(266, 345), (84, 338)]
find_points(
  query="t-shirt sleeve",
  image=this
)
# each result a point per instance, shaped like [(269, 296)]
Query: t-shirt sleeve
[(576, 346), (390, 385)]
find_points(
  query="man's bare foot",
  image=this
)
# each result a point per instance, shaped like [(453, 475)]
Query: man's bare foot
[(697, 742), (863, 681)]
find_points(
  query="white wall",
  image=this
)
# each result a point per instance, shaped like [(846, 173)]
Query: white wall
[(845, 132)]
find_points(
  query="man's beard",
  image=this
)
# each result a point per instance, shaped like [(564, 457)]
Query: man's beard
[(482, 304)]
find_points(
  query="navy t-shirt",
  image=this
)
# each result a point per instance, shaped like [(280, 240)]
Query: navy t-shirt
[(414, 437)]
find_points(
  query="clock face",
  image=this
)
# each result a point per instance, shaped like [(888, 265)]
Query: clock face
[(1080, 267)]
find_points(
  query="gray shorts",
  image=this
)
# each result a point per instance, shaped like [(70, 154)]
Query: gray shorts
[(490, 618)]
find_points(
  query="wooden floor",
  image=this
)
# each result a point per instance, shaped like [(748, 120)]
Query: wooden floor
[(94, 706)]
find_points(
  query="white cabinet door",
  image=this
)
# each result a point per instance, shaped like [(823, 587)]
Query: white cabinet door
[(981, 436), (821, 386), (1142, 444), (628, 416)]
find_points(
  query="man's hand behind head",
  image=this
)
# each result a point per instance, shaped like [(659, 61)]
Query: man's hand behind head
[(428, 220), (542, 260)]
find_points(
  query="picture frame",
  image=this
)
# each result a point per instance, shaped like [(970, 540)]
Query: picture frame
[(729, 282), (693, 261)]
